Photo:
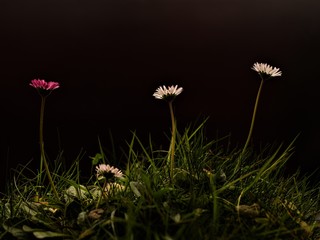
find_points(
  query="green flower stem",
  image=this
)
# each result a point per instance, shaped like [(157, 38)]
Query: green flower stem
[(102, 194), (253, 118), (173, 139), (43, 160)]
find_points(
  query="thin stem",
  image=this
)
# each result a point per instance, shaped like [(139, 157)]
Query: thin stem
[(253, 118), (173, 139), (103, 194), (41, 144), (43, 160)]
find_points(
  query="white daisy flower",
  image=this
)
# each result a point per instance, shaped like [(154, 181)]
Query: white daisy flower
[(265, 69), (108, 172), (167, 93)]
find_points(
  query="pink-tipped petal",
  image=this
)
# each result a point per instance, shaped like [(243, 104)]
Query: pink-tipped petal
[(42, 84), (52, 85)]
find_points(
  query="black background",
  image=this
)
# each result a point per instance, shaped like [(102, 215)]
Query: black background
[(110, 55)]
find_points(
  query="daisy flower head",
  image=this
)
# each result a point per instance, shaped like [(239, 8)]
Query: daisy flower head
[(169, 93), (266, 70), (43, 87), (42, 84), (105, 171)]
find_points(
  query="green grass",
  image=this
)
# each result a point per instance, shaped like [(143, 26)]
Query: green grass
[(214, 193)]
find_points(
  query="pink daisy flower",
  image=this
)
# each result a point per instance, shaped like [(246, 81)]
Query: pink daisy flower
[(42, 84)]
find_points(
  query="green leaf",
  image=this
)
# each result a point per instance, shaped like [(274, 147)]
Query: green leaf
[(49, 234), (29, 229), (176, 218), (96, 158), (29, 208), (134, 187), (86, 233), (16, 232)]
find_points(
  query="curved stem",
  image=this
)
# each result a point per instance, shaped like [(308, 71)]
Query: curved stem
[(41, 144), (173, 138), (253, 118), (43, 160), (103, 194)]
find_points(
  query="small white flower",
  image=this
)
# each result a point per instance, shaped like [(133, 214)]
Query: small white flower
[(165, 93), (107, 171), (265, 69)]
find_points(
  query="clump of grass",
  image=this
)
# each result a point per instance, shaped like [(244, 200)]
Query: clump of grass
[(207, 199)]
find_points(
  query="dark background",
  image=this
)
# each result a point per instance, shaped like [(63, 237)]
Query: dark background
[(110, 55)]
